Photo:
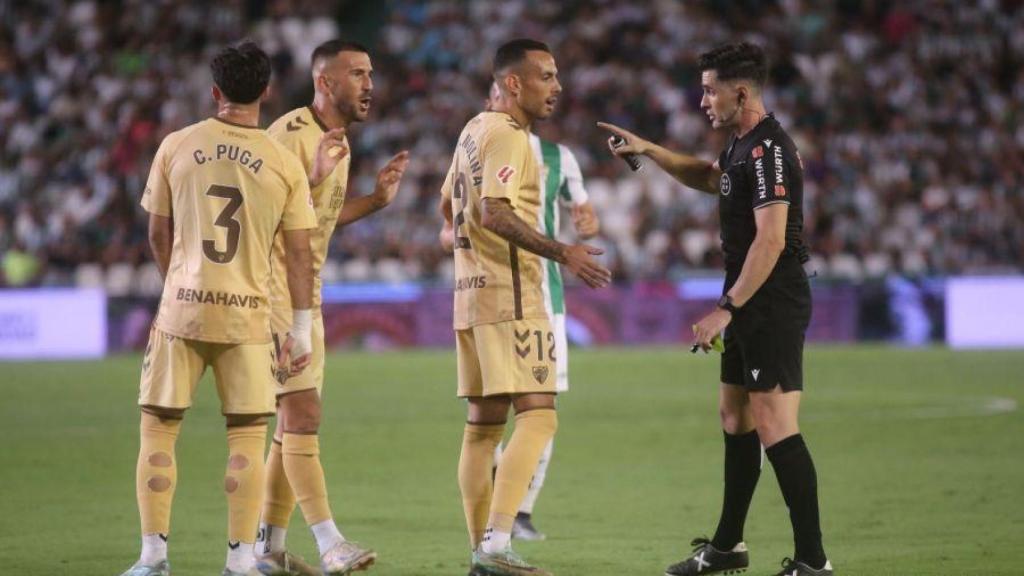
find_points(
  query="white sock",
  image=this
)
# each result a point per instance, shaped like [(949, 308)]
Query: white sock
[(326, 534), (271, 539), (154, 549), (537, 482), (495, 541), (240, 558)]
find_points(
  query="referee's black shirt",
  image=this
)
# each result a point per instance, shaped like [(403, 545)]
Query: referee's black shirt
[(761, 168)]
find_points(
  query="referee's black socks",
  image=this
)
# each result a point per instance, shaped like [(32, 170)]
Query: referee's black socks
[(799, 483), (742, 469)]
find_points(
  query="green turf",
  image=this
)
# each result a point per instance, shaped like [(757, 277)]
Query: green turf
[(916, 476)]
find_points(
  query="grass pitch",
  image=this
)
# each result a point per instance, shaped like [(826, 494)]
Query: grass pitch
[(919, 458)]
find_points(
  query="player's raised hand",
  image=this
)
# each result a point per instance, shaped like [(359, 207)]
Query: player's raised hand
[(634, 144), (329, 152), (584, 219), (389, 177), (579, 260)]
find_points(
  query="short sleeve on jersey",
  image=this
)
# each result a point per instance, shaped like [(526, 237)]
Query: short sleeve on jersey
[(505, 154), (298, 210), (157, 197), (770, 175)]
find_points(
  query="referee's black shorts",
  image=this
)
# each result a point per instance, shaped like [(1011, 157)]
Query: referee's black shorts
[(764, 343)]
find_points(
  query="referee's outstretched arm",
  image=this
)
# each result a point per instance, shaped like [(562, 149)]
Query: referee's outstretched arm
[(690, 170)]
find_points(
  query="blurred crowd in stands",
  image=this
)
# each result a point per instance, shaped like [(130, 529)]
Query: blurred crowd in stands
[(909, 118)]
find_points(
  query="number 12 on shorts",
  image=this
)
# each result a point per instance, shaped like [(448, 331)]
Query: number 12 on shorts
[(524, 346)]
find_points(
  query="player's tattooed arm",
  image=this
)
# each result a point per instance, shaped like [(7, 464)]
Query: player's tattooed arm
[(498, 217), (161, 238)]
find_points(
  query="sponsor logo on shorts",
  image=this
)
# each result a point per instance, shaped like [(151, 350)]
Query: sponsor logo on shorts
[(470, 282), (218, 298), (755, 373), (523, 345), (505, 173), (540, 374)]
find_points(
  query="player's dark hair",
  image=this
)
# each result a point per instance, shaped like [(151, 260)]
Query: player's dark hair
[(334, 47), (514, 51), (738, 61), (241, 72)]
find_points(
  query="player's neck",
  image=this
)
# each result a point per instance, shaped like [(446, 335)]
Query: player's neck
[(327, 114), (517, 114), (750, 116), (241, 114)]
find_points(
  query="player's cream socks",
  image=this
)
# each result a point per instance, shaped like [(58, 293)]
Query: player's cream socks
[(301, 456), (537, 482), (326, 534), (479, 442), (534, 429), (278, 502), (156, 474), (243, 482)]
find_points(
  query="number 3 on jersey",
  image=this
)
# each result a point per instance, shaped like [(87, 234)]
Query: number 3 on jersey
[(226, 219)]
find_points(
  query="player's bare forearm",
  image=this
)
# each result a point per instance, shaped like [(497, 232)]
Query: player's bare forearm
[(690, 170), (498, 217), (299, 263), (359, 208), (161, 239), (445, 208)]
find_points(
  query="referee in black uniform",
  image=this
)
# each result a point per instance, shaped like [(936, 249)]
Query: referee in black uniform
[(764, 310)]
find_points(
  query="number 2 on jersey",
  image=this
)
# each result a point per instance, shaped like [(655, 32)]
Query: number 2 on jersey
[(459, 193), (225, 219)]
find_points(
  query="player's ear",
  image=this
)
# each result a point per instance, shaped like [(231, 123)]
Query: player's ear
[(513, 85), (216, 93)]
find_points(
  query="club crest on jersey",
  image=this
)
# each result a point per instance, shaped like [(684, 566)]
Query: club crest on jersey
[(505, 174), (725, 184), (540, 374)]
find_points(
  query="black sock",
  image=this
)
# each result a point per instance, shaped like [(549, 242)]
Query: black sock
[(799, 483), (742, 469)]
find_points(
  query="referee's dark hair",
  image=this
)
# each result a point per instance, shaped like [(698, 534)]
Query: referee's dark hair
[(241, 72), (514, 51), (335, 47), (738, 61)]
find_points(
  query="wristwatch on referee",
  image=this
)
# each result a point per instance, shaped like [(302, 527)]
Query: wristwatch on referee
[(725, 303)]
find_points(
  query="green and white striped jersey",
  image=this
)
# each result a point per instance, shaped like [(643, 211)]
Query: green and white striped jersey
[(561, 182)]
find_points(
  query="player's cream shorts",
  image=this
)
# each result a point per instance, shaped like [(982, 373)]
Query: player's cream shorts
[(173, 366), (313, 376), (514, 357)]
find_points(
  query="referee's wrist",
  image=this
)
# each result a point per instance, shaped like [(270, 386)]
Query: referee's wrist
[(726, 303)]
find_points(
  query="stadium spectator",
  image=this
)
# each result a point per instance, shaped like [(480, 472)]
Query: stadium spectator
[(907, 117)]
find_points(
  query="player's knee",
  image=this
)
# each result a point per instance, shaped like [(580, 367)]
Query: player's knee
[(526, 402), (492, 410), (164, 413), (242, 420), (300, 413), (735, 421)]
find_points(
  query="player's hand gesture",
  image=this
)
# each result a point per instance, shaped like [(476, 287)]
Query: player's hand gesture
[(579, 260), (288, 366), (389, 177), (329, 153), (584, 219), (634, 144)]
